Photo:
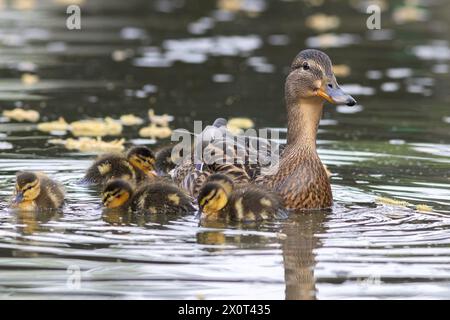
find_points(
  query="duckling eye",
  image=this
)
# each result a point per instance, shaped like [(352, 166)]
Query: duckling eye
[(305, 66)]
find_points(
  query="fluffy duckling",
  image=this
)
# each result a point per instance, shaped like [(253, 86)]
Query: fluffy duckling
[(36, 191), (220, 199), (158, 197), (136, 166)]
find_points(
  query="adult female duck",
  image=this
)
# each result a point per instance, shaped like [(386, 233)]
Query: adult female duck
[(300, 177)]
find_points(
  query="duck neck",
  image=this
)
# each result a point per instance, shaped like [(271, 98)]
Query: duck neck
[(303, 122)]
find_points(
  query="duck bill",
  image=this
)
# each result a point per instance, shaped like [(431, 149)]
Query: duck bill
[(336, 96), (18, 198)]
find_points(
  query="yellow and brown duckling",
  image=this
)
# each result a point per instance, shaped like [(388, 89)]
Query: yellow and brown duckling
[(36, 191), (219, 199), (153, 198), (136, 166)]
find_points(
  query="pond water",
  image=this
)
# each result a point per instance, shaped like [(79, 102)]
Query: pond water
[(198, 60)]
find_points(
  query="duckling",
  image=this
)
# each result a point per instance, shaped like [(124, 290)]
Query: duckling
[(137, 166), (220, 199), (36, 191), (158, 197)]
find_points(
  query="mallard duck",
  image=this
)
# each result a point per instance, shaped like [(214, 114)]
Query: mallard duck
[(220, 199), (36, 191), (136, 166), (300, 177), (158, 197)]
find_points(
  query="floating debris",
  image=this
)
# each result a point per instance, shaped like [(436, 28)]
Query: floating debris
[(331, 40), (29, 79), (424, 208), (155, 132), (85, 144), (96, 128), (393, 202), (321, 22), (58, 125), (160, 120), (252, 8), (241, 123), (131, 120), (409, 13), (21, 115), (341, 70)]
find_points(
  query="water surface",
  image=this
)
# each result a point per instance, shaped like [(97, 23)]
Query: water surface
[(198, 60)]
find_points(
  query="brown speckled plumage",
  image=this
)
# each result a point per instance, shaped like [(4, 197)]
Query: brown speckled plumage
[(301, 178), (161, 197)]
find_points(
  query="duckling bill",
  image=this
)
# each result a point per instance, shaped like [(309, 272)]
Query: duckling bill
[(220, 200), (36, 191), (158, 197)]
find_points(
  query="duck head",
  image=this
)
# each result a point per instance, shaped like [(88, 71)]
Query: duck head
[(212, 198), (311, 78), (143, 159), (28, 187), (116, 194)]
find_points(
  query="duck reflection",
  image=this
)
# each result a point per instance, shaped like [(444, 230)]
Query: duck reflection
[(30, 222), (118, 217), (298, 253), (214, 238)]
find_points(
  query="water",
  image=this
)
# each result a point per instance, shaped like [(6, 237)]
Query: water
[(194, 61)]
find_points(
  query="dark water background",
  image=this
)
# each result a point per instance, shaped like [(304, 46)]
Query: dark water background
[(196, 62)]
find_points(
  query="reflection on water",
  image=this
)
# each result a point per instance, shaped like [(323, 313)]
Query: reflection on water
[(202, 59)]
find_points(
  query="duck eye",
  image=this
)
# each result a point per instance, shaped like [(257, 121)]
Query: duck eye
[(330, 86), (305, 66)]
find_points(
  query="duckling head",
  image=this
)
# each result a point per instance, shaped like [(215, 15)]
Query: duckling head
[(116, 194), (223, 180), (311, 78), (212, 198), (143, 159), (28, 187)]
